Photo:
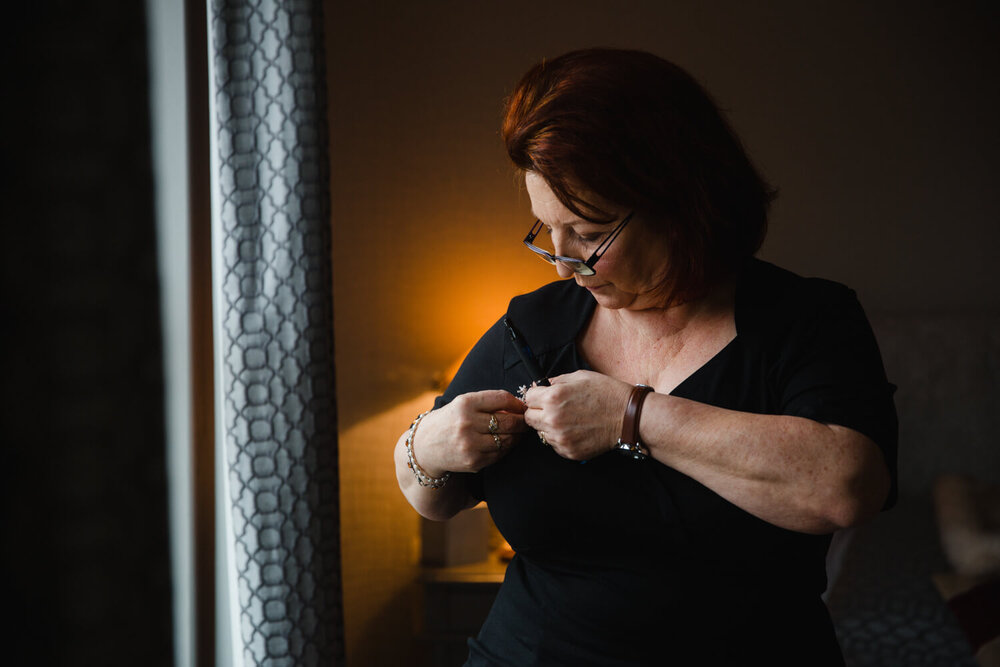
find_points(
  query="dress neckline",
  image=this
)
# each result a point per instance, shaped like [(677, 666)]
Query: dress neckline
[(588, 312)]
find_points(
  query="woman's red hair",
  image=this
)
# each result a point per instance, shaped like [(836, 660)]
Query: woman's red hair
[(632, 129)]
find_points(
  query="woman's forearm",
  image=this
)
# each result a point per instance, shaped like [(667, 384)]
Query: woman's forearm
[(793, 472), (436, 504)]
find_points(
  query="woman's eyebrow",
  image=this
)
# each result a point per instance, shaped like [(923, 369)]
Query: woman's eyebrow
[(572, 223)]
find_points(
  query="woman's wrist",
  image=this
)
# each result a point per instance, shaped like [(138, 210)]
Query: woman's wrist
[(629, 442), (429, 477)]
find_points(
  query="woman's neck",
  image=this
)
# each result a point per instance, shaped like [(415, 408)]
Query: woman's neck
[(656, 323)]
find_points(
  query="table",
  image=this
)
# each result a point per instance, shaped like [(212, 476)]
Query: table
[(455, 603)]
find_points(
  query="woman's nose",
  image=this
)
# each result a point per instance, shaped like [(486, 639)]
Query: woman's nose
[(562, 245), (562, 249), (563, 270)]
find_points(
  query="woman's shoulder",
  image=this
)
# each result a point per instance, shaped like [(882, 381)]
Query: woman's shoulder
[(559, 293), (766, 287), (774, 302)]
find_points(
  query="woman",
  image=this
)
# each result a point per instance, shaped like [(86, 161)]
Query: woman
[(696, 531)]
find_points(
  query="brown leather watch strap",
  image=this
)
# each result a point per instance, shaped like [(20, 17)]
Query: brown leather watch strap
[(630, 424)]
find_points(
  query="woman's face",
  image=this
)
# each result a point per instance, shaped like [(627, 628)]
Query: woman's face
[(629, 275)]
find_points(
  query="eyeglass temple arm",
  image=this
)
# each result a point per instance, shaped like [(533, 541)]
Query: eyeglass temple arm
[(596, 255), (535, 228)]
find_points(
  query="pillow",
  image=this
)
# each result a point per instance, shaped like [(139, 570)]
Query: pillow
[(968, 513), (975, 602)]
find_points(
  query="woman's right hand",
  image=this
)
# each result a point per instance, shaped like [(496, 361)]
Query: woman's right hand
[(457, 438)]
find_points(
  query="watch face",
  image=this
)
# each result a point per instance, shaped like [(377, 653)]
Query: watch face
[(637, 451)]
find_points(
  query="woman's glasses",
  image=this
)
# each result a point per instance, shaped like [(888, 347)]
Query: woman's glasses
[(584, 268)]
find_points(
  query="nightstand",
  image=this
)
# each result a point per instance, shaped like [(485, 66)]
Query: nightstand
[(456, 601)]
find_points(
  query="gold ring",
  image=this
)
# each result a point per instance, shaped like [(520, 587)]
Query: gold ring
[(494, 426), (496, 439)]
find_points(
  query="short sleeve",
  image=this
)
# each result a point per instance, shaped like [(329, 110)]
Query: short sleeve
[(481, 369), (831, 371)]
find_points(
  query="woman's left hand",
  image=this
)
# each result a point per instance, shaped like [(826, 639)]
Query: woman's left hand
[(580, 414)]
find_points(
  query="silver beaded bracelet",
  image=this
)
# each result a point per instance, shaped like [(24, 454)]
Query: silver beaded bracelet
[(423, 479)]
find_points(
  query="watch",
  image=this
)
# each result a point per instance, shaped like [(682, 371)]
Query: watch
[(629, 443)]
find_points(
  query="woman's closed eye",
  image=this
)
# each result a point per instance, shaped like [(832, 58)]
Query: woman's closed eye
[(587, 239)]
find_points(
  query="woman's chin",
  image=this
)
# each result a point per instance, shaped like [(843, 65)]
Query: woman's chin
[(607, 297)]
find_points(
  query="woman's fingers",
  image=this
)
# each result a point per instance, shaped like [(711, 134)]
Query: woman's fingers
[(579, 414), (475, 430), (507, 423), (476, 411), (492, 400), (501, 436)]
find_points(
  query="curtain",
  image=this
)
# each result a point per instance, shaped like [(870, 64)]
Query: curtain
[(276, 409), (84, 495)]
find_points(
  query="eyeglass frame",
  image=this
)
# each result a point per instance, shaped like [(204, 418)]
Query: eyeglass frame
[(573, 263)]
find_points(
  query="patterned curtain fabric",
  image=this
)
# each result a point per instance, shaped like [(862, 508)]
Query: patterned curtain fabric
[(274, 331)]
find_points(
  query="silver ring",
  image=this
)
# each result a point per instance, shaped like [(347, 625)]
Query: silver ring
[(541, 437), (496, 439), (494, 425)]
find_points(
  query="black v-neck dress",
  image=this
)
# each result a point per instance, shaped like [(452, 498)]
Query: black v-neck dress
[(624, 562)]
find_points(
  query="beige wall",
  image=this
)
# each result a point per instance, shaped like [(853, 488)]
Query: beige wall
[(876, 123)]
